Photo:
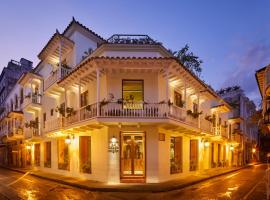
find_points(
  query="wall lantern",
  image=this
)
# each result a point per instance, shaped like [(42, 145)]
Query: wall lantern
[(253, 150), (113, 145), (206, 142), (231, 148), (68, 139), (28, 147)]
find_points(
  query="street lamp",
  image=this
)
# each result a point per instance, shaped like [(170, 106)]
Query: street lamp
[(253, 150)]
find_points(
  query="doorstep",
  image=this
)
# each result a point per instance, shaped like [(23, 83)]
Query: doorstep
[(175, 184)]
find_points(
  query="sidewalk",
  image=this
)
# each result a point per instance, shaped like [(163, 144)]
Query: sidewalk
[(124, 187)]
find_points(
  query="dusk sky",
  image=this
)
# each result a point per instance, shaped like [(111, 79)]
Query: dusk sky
[(231, 37)]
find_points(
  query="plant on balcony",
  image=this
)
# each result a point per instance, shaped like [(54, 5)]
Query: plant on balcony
[(61, 110), (70, 111), (224, 126), (195, 115), (120, 101), (209, 118), (32, 124)]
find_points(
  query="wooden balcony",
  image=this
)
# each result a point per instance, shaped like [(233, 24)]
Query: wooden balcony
[(33, 134), (53, 125)]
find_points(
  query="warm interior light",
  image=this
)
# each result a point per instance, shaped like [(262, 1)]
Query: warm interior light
[(253, 150), (231, 148), (113, 140), (28, 147), (68, 140), (206, 144)]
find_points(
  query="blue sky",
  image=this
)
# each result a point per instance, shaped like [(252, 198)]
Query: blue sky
[(231, 37)]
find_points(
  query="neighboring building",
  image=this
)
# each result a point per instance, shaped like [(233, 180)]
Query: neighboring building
[(242, 125), (128, 112), (10, 76), (263, 81)]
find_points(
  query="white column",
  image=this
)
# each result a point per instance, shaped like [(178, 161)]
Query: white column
[(79, 98), (98, 92), (185, 94), (60, 58), (199, 118), (66, 99), (167, 85)]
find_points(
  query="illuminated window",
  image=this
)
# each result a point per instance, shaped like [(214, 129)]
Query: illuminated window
[(176, 155), (47, 154), (85, 154), (132, 92), (37, 154), (63, 155)]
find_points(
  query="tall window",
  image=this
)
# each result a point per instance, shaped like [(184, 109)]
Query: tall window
[(37, 154), (193, 155), (84, 99), (44, 119), (132, 92), (16, 101), (178, 99), (176, 154), (195, 107), (63, 155), (21, 96), (47, 154), (85, 154)]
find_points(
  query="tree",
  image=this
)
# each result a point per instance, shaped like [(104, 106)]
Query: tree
[(188, 59)]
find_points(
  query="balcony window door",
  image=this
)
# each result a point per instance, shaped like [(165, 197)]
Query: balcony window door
[(133, 94), (195, 107), (84, 98), (47, 154), (178, 99), (85, 154), (37, 154), (176, 155), (63, 155), (21, 96), (193, 155)]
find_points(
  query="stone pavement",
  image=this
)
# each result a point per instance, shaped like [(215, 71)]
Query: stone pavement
[(91, 185)]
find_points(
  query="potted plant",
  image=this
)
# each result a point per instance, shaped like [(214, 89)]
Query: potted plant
[(209, 118), (28, 95), (195, 115), (70, 111)]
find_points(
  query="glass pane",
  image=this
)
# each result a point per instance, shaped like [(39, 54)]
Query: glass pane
[(126, 155), (138, 155), (85, 154), (133, 94)]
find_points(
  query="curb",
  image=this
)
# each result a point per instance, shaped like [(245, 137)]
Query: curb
[(128, 189)]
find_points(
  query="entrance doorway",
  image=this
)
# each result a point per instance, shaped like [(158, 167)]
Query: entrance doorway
[(132, 157)]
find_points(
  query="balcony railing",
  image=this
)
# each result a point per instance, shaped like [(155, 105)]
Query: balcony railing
[(34, 98), (55, 76), (206, 125), (53, 124)]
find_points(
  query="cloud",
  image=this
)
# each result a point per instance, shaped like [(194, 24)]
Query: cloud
[(253, 57)]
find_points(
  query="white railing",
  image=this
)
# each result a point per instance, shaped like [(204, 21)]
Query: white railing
[(35, 99), (177, 113), (88, 111), (131, 110), (206, 125), (217, 130), (53, 124), (55, 76), (75, 117)]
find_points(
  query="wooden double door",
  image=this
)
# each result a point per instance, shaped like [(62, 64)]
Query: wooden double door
[(132, 157)]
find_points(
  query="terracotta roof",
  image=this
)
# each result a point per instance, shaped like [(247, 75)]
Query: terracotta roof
[(84, 27)]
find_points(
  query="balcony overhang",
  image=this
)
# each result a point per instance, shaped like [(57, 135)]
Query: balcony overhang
[(15, 114), (235, 119), (28, 77), (51, 50), (222, 108)]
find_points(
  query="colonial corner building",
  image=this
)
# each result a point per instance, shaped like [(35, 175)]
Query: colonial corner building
[(120, 110)]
